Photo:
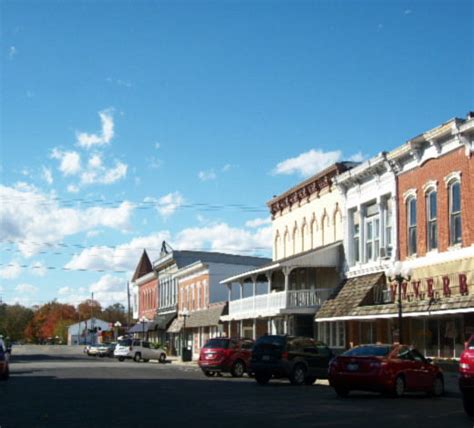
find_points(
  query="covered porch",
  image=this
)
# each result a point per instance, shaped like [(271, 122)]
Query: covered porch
[(285, 294)]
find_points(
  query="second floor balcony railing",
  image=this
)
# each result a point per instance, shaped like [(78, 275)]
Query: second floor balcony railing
[(271, 304)]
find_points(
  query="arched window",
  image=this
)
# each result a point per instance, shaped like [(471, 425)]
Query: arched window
[(277, 245), (313, 232), (411, 225), (455, 226), (286, 238), (294, 239), (431, 220), (304, 232), (324, 222)]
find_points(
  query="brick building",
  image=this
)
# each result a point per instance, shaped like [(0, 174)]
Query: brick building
[(435, 236)]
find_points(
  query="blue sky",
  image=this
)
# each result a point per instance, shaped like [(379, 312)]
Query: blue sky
[(125, 123)]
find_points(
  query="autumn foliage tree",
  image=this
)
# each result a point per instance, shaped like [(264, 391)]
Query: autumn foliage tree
[(49, 321), (89, 309)]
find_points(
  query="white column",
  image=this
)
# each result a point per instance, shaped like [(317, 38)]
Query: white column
[(241, 327), (254, 333), (229, 292), (241, 289), (229, 328), (269, 282)]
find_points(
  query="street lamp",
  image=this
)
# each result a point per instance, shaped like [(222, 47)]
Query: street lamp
[(117, 325), (184, 314), (399, 273), (143, 320)]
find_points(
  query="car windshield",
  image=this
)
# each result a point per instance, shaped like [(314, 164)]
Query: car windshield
[(277, 342), (368, 351), (217, 343), (125, 342)]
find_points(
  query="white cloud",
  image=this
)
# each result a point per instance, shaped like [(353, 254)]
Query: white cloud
[(110, 289), (10, 271), (64, 291), (46, 222), (258, 222), (71, 188), (87, 141), (166, 205), (26, 289), (309, 163), (95, 161), (122, 257), (357, 157), (157, 145), (224, 238), (39, 269), (12, 52), (226, 167), (47, 175), (102, 175), (69, 162), (207, 175)]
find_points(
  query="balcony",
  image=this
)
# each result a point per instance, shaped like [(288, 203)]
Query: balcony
[(276, 303)]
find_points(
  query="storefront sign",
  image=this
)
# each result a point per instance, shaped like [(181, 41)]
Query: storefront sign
[(433, 287)]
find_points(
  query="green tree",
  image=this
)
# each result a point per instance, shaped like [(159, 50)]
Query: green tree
[(13, 321), (114, 313)]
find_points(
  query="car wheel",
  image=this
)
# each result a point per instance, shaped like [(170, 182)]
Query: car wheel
[(146, 360), (262, 378), (342, 392), (121, 359), (238, 369), (437, 389), (309, 380), (208, 373), (162, 358), (468, 403), (137, 357), (298, 374), (399, 387)]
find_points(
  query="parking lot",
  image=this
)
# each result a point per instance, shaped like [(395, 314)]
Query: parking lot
[(59, 387)]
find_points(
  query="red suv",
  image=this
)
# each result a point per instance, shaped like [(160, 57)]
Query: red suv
[(391, 369), (466, 376), (226, 355)]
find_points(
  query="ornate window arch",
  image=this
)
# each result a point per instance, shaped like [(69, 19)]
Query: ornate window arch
[(454, 207), (304, 232)]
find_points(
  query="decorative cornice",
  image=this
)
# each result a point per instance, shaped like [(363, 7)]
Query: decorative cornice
[(408, 194), (429, 185), (314, 185)]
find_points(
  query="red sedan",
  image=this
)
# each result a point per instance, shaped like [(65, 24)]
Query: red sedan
[(466, 376), (390, 369)]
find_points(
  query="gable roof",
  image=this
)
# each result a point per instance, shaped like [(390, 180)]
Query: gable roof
[(144, 267)]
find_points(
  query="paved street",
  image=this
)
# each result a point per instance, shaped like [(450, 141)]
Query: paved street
[(55, 387)]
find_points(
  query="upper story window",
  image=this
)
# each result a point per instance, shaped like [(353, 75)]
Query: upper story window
[(431, 220), (411, 224), (372, 232), (455, 226), (355, 236), (388, 219)]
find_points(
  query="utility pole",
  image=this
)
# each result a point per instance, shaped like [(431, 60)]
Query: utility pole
[(128, 303), (92, 318)]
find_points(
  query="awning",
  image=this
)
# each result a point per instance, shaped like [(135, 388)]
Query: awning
[(326, 256), (175, 326), (163, 321), (142, 327), (347, 297), (206, 317)]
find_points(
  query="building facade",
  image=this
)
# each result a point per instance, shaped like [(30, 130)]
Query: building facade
[(433, 203), (283, 296)]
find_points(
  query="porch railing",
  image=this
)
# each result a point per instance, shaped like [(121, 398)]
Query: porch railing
[(272, 303)]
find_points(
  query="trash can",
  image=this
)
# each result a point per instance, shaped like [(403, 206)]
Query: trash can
[(186, 354)]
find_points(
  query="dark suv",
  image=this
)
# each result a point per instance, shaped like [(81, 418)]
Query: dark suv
[(222, 354), (300, 359)]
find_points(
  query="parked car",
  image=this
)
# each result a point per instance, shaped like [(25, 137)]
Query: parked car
[(466, 376), (390, 369), (4, 364), (302, 360), (92, 350), (106, 349), (138, 350), (225, 355)]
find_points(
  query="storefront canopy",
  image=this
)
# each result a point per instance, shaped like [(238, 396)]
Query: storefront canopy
[(161, 322), (348, 297)]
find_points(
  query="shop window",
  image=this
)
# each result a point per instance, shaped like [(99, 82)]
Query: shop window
[(367, 332), (411, 222), (332, 334), (372, 233), (455, 227), (431, 220)]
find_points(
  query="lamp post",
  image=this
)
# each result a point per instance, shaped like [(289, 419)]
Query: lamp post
[(117, 325), (143, 320), (184, 314), (399, 273)]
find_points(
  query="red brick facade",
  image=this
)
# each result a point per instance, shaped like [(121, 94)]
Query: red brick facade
[(148, 304), (193, 293), (436, 170)]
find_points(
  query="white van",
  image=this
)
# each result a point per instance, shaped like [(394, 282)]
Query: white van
[(139, 350)]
